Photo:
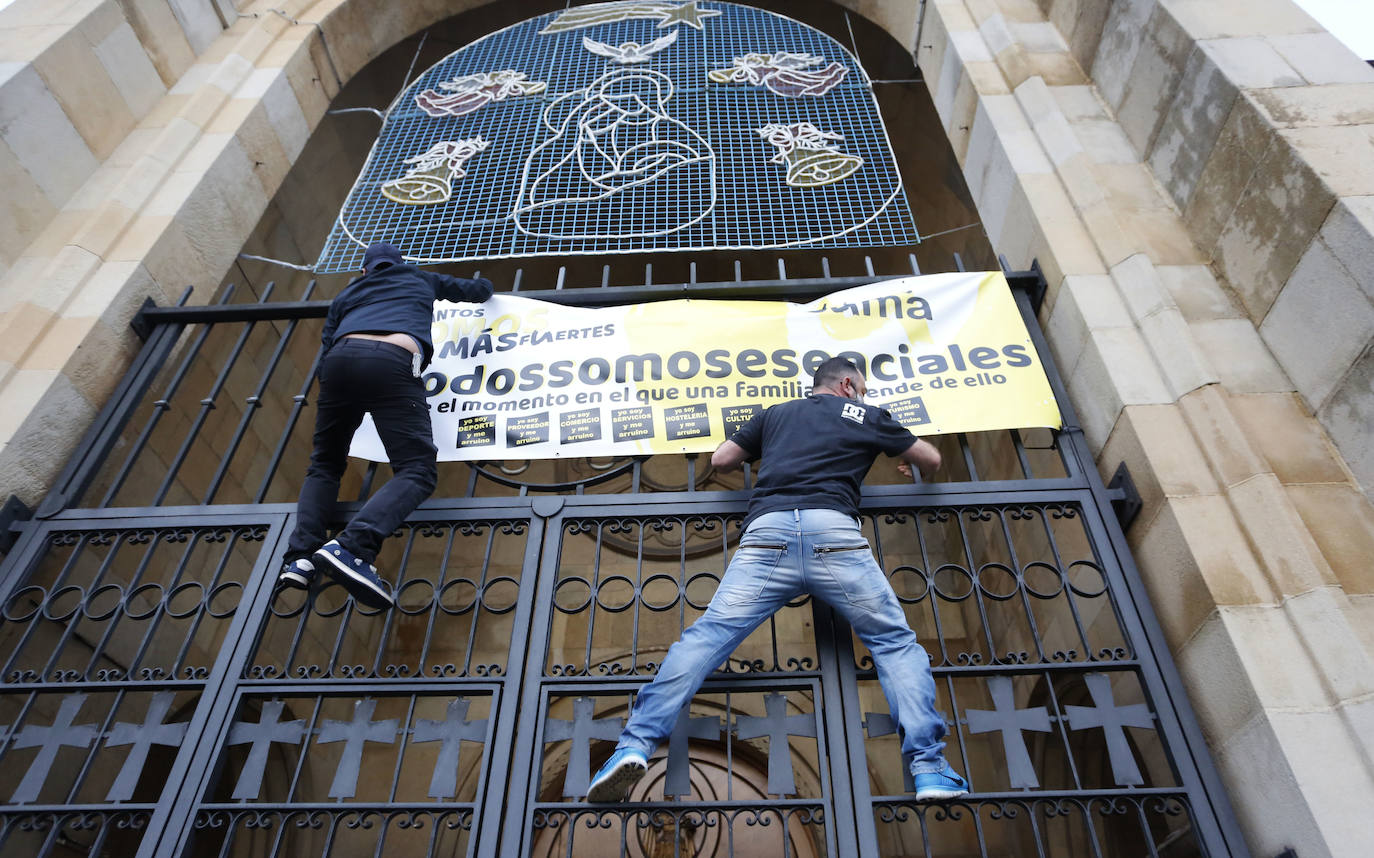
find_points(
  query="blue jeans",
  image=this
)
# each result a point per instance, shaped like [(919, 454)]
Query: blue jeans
[(781, 555), (358, 377)]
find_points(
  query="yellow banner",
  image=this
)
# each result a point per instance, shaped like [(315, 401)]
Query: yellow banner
[(516, 378)]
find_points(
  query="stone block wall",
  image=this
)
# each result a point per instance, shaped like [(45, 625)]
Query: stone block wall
[(1259, 125), (141, 142), (1191, 177), (75, 79)]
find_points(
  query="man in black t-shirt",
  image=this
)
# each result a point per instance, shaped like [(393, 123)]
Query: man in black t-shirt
[(802, 534)]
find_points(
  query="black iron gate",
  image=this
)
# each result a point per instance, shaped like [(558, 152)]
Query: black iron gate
[(160, 699)]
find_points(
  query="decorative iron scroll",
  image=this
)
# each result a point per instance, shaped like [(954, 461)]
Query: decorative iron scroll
[(60, 832), (319, 832), (1048, 825), (630, 126), (756, 828)]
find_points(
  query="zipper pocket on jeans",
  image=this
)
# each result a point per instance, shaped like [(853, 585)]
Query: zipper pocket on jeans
[(766, 546), (831, 549)]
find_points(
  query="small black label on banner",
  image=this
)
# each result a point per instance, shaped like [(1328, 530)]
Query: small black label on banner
[(527, 429), (909, 412), (632, 424), (478, 431), (735, 416), (584, 425), (687, 421)]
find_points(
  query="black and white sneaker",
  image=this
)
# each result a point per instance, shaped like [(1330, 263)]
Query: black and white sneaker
[(297, 574), (359, 578)]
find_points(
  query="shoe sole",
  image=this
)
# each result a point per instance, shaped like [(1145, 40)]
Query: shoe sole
[(615, 785), (293, 580), (362, 590), (936, 793)]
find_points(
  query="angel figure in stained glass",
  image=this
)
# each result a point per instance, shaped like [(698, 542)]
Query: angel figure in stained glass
[(782, 73), (430, 180), (472, 91), (629, 52), (810, 154)]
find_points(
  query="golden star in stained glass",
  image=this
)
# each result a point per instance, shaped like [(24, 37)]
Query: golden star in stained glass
[(688, 14)]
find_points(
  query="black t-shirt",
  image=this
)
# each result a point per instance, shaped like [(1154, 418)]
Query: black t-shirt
[(816, 452)]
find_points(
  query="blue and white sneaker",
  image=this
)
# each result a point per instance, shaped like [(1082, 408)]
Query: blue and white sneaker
[(931, 786), (613, 780), (298, 574), (358, 577)]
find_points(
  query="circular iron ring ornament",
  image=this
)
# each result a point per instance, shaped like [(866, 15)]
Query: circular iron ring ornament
[(32, 592)]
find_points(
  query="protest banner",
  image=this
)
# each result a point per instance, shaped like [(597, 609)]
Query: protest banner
[(517, 378)]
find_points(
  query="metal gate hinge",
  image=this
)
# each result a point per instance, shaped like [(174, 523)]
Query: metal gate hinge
[(1125, 499), (13, 512), (142, 327)]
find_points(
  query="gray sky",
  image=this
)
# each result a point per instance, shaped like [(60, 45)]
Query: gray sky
[(1351, 21)]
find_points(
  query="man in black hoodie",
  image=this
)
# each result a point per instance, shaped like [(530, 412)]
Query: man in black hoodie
[(376, 343)]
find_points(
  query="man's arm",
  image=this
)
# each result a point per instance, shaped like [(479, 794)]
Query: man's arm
[(728, 456), (924, 456), (460, 288)]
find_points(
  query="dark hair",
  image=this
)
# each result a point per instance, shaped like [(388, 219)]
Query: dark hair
[(834, 370)]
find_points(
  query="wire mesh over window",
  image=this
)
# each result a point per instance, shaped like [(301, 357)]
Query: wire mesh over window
[(630, 126)]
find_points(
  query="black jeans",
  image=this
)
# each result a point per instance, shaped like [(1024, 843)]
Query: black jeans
[(359, 377)]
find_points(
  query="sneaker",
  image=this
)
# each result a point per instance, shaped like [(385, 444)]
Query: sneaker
[(942, 784), (359, 578), (613, 781), (297, 574)]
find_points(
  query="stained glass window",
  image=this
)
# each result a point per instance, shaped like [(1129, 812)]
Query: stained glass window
[(630, 126)]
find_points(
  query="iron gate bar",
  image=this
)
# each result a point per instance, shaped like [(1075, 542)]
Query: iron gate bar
[(799, 289), (254, 401), (843, 842), (505, 697), (843, 769), (205, 711), (160, 407), (1113, 575), (836, 792), (297, 406), (1200, 790), (207, 404), (221, 674), (952, 494)]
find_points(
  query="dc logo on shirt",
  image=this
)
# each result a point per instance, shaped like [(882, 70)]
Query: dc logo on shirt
[(852, 412)]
